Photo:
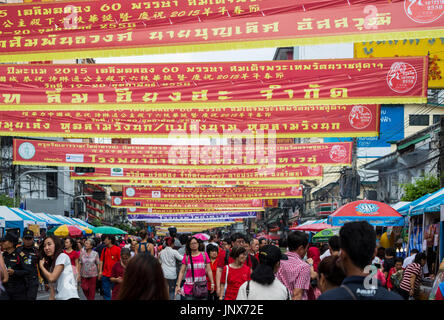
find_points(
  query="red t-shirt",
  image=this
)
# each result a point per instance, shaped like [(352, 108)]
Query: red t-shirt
[(73, 256), (111, 256), (236, 278), (117, 271), (221, 259), (213, 266)]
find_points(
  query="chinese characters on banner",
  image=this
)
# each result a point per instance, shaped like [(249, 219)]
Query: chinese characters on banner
[(216, 174), (144, 211), (204, 217), (226, 204), (218, 84), (54, 153), (286, 121), (199, 183), (210, 193), (87, 29)]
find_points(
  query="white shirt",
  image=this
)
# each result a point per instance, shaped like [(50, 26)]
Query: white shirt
[(409, 260), (274, 291), (325, 254), (167, 258), (65, 286)]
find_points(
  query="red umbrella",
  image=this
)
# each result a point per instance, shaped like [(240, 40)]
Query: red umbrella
[(313, 227)]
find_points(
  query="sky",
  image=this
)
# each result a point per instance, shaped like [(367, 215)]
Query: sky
[(265, 54)]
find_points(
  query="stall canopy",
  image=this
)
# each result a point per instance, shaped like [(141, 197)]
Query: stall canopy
[(399, 205), (14, 220), (404, 210), (50, 220), (428, 203), (2, 222), (28, 215), (83, 223), (374, 212)]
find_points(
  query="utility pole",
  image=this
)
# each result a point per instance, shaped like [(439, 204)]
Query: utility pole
[(354, 169)]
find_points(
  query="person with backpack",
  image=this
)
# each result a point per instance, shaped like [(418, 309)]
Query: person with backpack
[(358, 243), (394, 276), (110, 256), (196, 264), (145, 245), (263, 284)]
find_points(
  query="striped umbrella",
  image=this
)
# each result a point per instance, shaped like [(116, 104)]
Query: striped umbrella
[(88, 231), (67, 231)]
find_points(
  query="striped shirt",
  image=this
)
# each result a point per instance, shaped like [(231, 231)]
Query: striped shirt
[(412, 269), (294, 273), (199, 266)]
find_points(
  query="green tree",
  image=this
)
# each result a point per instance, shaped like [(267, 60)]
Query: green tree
[(421, 187), (6, 201)]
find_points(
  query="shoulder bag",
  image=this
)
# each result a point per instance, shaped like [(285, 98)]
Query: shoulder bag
[(200, 288)]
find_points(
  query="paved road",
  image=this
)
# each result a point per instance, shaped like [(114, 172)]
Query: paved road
[(44, 295)]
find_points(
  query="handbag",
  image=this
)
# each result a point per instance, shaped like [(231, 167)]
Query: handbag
[(200, 288)]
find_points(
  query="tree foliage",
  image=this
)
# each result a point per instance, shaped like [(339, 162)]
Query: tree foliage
[(6, 201), (421, 187)]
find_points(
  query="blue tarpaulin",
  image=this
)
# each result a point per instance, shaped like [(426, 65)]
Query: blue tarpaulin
[(429, 203)]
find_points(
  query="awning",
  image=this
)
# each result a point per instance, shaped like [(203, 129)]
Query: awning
[(428, 203), (399, 205), (64, 219), (2, 222), (415, 141), (26, 214), (83, 223), (13, 220), (50, 221)]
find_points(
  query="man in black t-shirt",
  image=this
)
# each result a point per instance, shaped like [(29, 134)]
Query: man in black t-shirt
[(358, 243)]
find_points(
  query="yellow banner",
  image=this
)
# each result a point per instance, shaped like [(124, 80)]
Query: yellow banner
[(433, 47)]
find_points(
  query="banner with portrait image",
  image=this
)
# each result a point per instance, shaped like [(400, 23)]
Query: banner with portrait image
[(62, 153), (211, 193), (247, 122), (214, 84), (225, 204), (90, 29)]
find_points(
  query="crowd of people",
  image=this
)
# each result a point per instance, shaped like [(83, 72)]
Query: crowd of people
[(236, 267)]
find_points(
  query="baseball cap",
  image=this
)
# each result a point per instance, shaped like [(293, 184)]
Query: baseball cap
[(28, 234), (271, 253), (11, 237)]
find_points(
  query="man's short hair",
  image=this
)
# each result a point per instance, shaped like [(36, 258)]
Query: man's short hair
[(414, 251), (333, 242), (227, 240), (358, 240), (183, 239), (296, 239), (238, 235)]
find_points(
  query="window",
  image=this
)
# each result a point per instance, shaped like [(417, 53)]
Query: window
[(436, 118), (419, 120), (51, 184)]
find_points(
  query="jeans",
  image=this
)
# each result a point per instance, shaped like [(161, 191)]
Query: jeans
[(106, 285)]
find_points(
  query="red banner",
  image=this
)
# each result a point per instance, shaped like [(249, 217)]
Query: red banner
[(216, 174), (55, 153), (227, 204), (289, 121), (134, 210), (210, 193), (86, 29), (199, 183), (215, 84)]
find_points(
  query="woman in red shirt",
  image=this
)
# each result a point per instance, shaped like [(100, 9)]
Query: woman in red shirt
[(74, 255), (213, 252), (234, 274)]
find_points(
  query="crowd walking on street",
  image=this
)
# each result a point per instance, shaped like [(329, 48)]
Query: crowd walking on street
[(223, 267)]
